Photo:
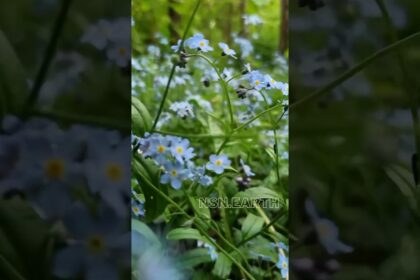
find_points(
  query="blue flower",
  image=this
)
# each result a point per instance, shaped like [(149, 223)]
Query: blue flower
[(198, 42), (283, 265), (137, 208), (174, 174), (181, 151), (226, 50), (198, 174), (247, 169), (94, 249), (327, 231), (256, 80), (176, 47), (182, 109), (218, 163), (210, 248)]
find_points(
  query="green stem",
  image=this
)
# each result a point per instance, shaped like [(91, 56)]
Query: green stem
[(81, 119), (244, 125), (49, 54), (165, 94), (222, 82), (9, 270), (353, 71), (276, 144), (202, 231)]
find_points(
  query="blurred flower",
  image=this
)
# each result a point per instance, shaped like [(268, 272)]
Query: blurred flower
[(226, 50), (252, 19), (283, 265), (247, 170), (96, 245), (198, 42), (183, 109), (120, 55), (108, 173), (218, 163), (176, 47), (211, 249), (256, 80), (245, 46), (327, 231)]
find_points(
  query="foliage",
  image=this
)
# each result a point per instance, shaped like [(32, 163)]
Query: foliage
[(209, 129)]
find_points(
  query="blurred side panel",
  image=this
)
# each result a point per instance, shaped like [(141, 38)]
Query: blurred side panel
[(64, 139), (354, 139)]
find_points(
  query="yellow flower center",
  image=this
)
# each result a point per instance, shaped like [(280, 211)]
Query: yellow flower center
[(161, 149), (284, 264), (96, 244), (54, 168), (122, 51), (114, 172), (179, 150), (257, 82), (218, 162), (202, 44), (272, 81), (136, 210), (174, 173)]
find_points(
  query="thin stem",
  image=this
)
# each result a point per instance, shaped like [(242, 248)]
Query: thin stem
[(222, 82), (273, 221), (353, 71), (270, 228), (81, 119), (202, 231), (222, 146), (257, 117), (165, 94), (49, 54), (276, 144)]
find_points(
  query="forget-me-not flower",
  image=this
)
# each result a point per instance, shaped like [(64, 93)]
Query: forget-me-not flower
[(247, 169), (198, 42), (256, 80), (218, 163), (181, 151), (226, 50), (283, 265), (174, 174)]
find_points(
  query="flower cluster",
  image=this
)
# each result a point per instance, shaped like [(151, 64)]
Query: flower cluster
[(113, 37), (259, 81), (56, 170), (47, 166), (175, 156)]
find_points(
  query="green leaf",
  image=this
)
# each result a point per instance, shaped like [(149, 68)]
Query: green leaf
[(144, 230), (184, 233), (13, 86), (25, 239), (200, 208), (214, 129), (251, 225), (147, 175), (404, 181), (259, 193), (193, 257), (140, 116), (223, 267)]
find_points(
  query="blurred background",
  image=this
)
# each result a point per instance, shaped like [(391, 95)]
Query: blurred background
[(353, 164)]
